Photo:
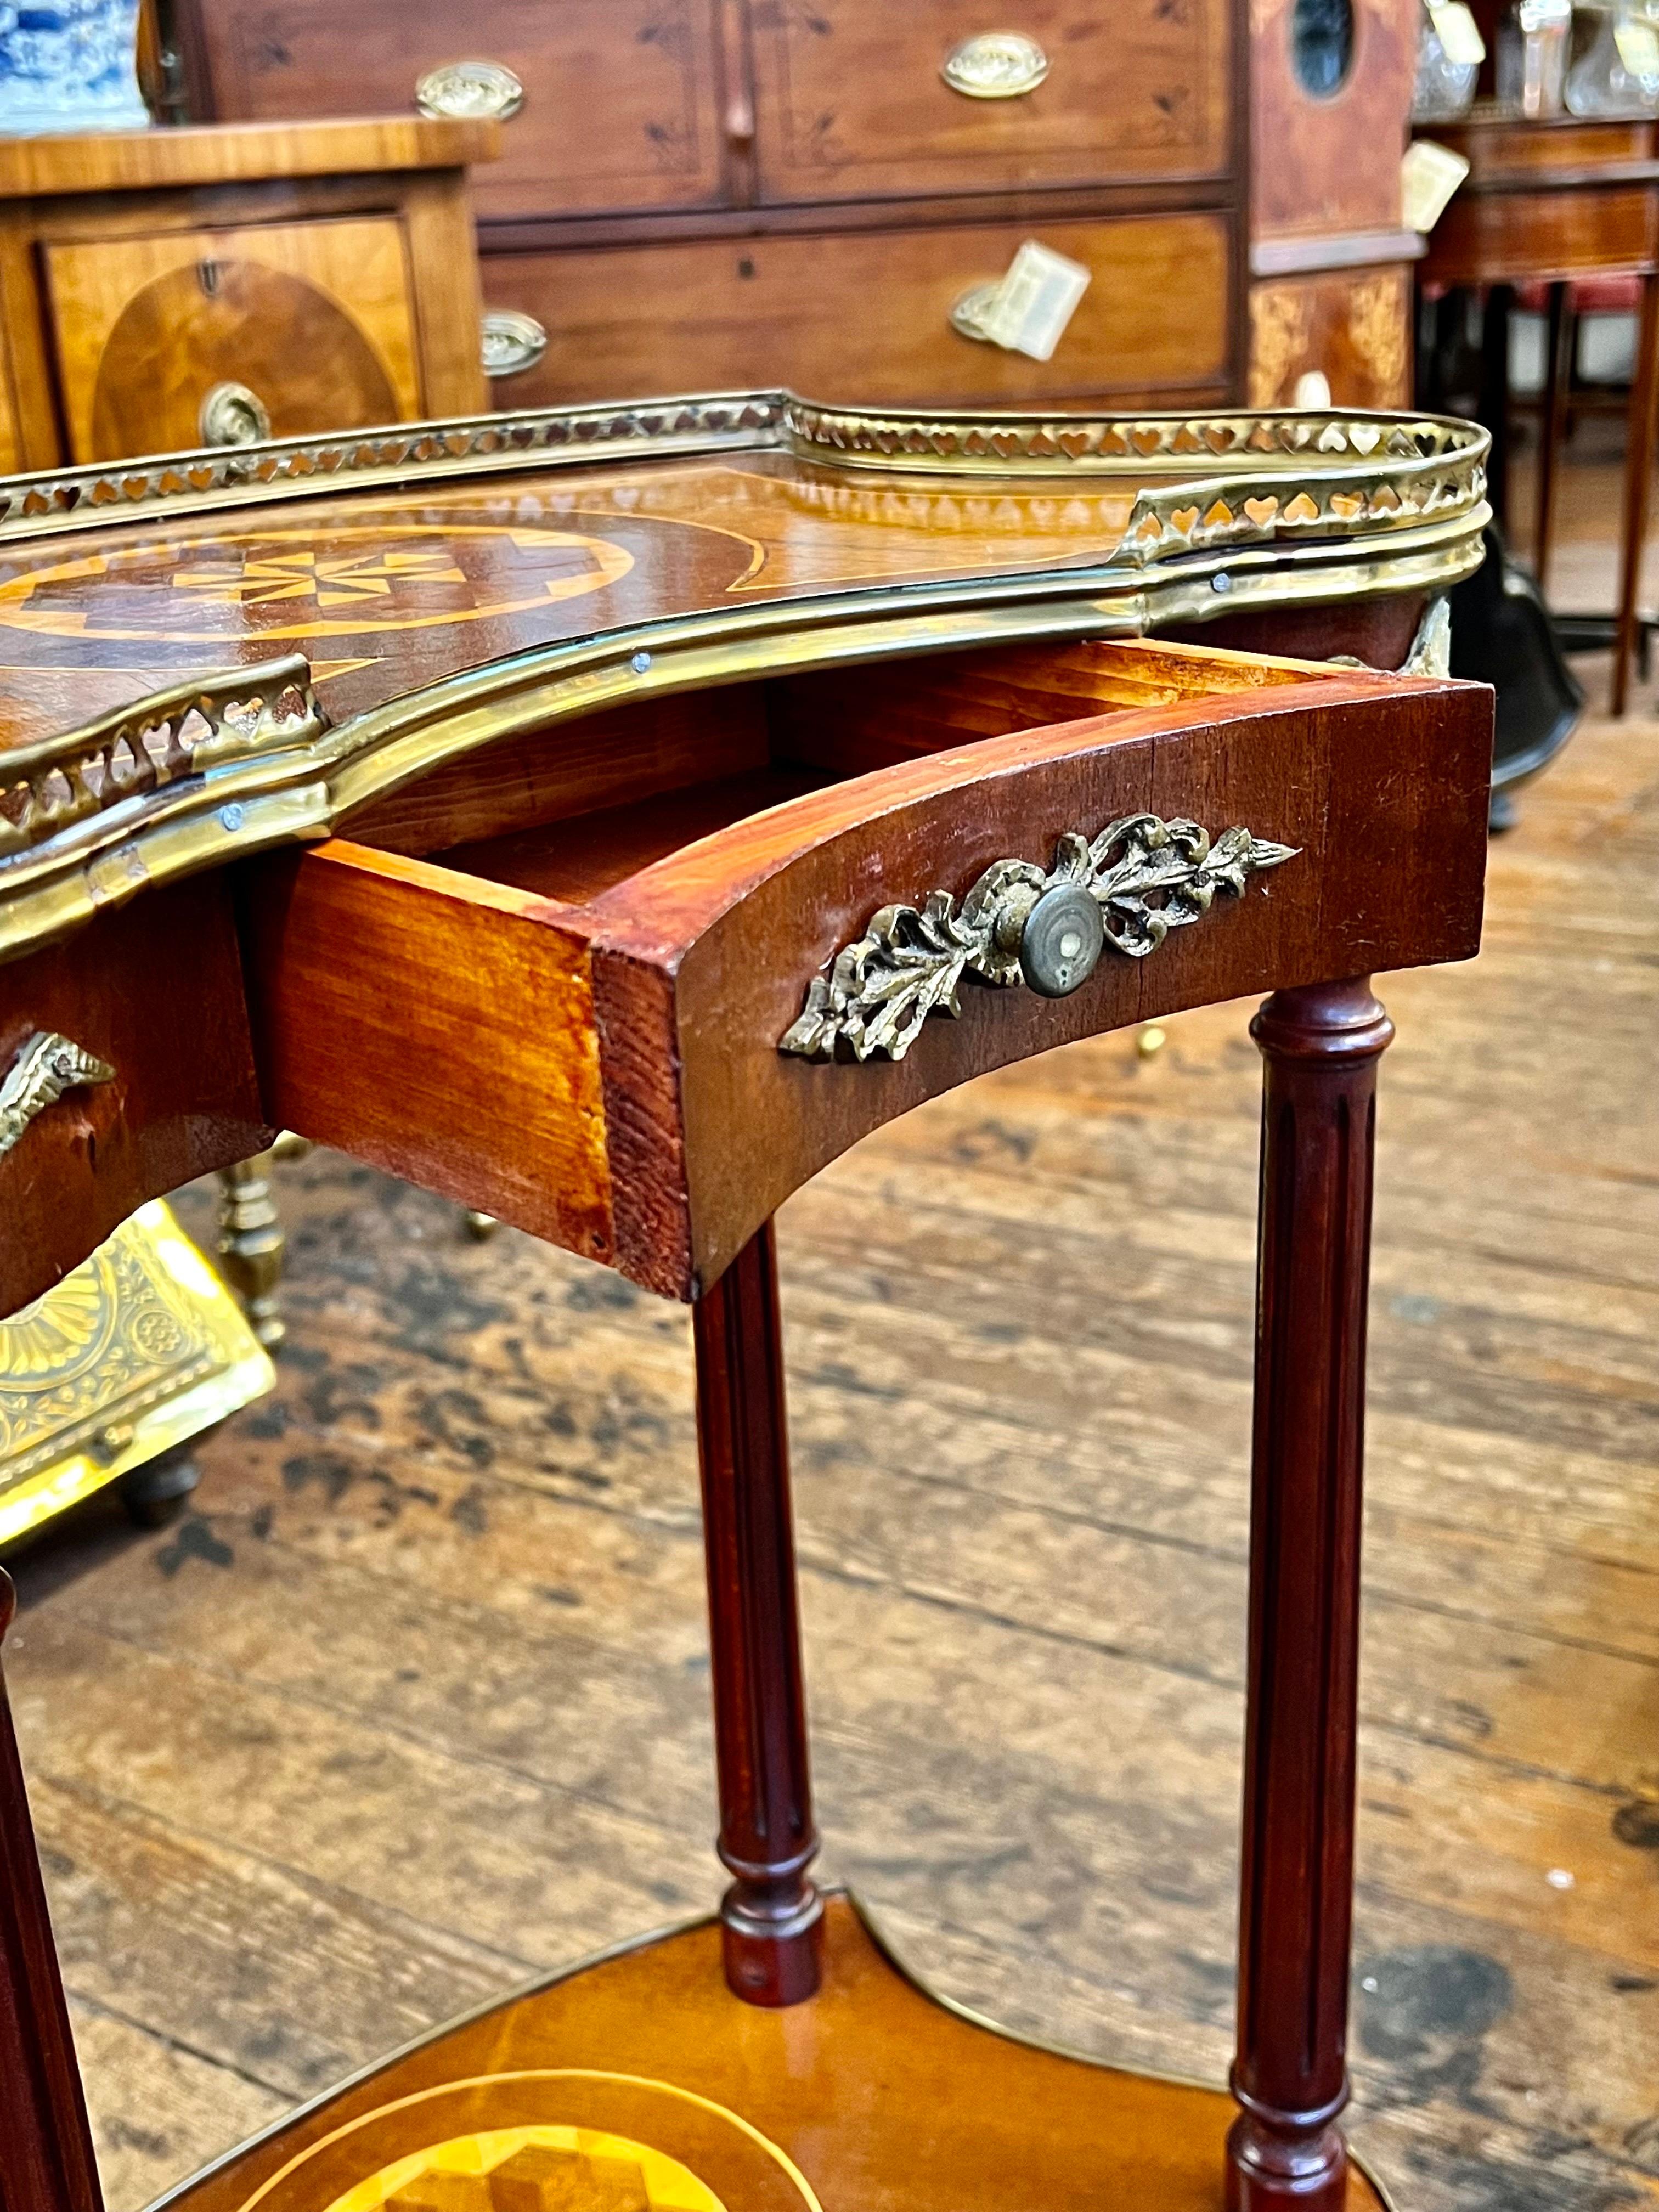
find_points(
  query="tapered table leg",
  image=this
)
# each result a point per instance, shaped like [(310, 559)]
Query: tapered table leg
[(1320, 1046), (1638, 468), (1560, 348), (771, 1915), (47, 2163)]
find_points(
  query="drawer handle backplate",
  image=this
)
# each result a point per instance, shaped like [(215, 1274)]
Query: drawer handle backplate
[(233, 415), (996, 65), (509, 341), (466, 91), (48, 1065), (1127, 888)]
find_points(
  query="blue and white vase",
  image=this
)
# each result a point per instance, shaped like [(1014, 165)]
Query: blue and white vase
[(68, 65)]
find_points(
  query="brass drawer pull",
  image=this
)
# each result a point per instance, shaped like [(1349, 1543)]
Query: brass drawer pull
[(233, 415), (466, 91), (48, 1065), (1028, 308), (996, 65), (1139, 879), (510, 341)]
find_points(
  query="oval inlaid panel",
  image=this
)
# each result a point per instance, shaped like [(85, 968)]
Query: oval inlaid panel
[(533, 2170), (555, 2140), (231, 318)]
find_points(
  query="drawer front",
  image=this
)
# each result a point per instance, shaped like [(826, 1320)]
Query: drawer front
[(153, 997), (1492, 237), (313, 321), (1354, 329), (618, 109), (853, 97), (867, 316)]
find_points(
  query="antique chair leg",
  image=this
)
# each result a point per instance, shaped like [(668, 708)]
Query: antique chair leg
[(1561, 343), (1320, 1046), (771, 1916), (1638, 465), (47, 2163), (253, 1245)]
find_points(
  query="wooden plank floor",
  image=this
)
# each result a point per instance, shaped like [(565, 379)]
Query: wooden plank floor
[(414, 1703)]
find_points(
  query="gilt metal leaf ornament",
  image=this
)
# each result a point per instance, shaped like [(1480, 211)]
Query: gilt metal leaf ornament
[(47, 1067), (1146, 875)]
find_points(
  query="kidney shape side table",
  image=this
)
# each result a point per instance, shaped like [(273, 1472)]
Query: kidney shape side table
[(607, 818)]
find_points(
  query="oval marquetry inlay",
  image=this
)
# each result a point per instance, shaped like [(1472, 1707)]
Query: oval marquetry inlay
[(538, 2169), (464, 91), (996, 65)]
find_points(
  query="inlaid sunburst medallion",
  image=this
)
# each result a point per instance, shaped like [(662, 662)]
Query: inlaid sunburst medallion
[(290, 586), (566, 2139), (533, 2170)]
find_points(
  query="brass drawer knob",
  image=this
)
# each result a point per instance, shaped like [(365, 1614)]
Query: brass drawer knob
[(1062, 940), (510, 341), (995, 65), (465, 92), (232, 415), (969, 316), (1127, 888), (48, 1065)]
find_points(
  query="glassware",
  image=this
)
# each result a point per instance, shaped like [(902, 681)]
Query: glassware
[(1531, 56), (1445, 89), (1617, 73), (69, 65)]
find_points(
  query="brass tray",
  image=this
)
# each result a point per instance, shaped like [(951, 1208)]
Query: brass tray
[(139, 1349), (203, 655)]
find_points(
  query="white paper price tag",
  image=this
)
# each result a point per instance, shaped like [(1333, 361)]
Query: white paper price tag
[(1457, 31), (1638, 48), (1429, 175), (1031, 307)]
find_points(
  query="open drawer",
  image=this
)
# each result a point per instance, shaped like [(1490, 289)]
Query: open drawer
[(631, 980)]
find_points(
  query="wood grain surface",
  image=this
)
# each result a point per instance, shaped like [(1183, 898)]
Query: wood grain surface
[(876, 2095), (864, 317), (214, 154), (851, 103), (415, 1703), (184, 1098), (619, 94), (316, 318), (1323, 163), (387, 591)]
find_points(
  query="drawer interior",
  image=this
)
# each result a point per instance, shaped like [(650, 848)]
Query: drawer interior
[(566, 813)]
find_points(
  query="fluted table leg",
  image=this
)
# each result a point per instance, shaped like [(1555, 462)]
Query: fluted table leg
[(1320, 1046), (47, 2163), (771, 1915)]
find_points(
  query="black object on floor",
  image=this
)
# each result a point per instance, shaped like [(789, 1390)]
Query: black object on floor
[(1502, 634)]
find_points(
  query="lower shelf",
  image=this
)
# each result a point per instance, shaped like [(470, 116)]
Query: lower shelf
[(639, 2084)]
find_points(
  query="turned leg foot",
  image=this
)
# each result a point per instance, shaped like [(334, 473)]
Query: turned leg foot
[(253, 1247), (771, 1916), (1320, 1045)]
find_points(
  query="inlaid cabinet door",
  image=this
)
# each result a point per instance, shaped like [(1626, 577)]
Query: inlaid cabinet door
[(605, 103), (862, 97), (1352, 326), (284, 329)]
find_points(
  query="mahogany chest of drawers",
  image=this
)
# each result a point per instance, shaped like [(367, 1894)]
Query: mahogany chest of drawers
[(711, 194), (698, 194)]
